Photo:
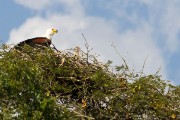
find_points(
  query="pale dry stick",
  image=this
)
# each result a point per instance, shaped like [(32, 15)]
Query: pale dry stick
[(115, 117), (81, 115)]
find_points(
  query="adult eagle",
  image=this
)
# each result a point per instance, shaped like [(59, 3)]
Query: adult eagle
[(39, 41)]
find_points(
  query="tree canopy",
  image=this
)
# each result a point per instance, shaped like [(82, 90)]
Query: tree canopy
[(44, 84)]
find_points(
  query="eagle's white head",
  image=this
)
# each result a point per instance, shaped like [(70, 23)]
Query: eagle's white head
[(50, 32)]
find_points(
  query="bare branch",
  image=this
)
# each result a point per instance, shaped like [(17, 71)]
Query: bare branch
[(87, 48), (143, 66)]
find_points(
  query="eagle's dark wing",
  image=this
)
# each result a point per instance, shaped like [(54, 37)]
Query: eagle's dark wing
[(43, 41)]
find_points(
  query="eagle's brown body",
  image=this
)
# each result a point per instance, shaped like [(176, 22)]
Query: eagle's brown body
[(33, 42)]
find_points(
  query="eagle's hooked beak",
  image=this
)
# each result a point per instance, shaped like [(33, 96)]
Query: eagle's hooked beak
[(55, 31)]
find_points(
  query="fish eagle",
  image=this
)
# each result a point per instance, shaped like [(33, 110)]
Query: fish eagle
[(39, 41)]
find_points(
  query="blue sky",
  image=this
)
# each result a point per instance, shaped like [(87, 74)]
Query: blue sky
[(140, 29), (11, 17)]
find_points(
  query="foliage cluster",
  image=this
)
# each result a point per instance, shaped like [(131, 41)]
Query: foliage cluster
[(44, 84)]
